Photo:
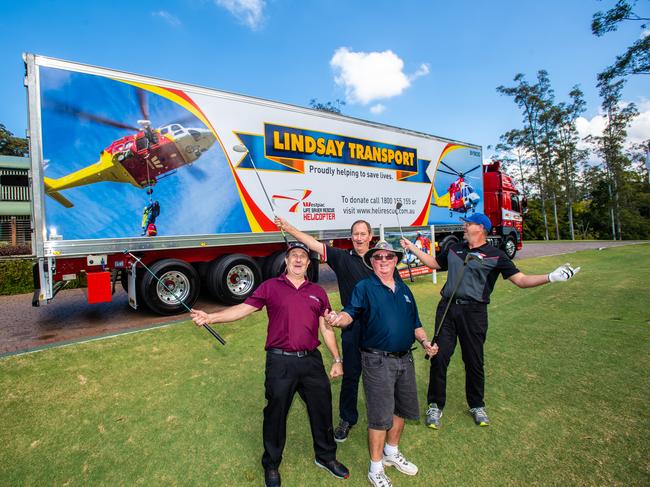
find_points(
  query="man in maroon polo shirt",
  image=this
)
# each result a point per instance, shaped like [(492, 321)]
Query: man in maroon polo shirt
[(295, 308)]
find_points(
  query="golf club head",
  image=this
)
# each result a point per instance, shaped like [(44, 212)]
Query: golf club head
[(398, 205)]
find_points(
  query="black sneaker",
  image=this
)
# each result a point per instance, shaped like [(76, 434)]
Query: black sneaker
[(272, 478), (342, 431), (334, 467)]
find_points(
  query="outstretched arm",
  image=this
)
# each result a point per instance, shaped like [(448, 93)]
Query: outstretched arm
[(227, 315), (561, 274), (308, 240)]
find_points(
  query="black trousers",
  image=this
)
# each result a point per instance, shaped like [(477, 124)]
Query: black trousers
[(286, 375), (350, 338), (468, 323)]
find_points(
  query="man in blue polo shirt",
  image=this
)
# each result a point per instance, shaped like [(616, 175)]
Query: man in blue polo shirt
[(295, 309), (386, 310)]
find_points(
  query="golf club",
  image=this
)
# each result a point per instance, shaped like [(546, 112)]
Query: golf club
[(208, 327), (468, 257), (242, 149), (408, 264)]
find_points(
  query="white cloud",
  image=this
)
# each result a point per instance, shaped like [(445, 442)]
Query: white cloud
[(370, 76), (248, 12), (423, 70), (637, 131), (645, 33), (378, 108), (167, 17)]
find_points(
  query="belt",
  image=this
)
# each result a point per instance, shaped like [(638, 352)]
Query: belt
[(386, 354), (299, 353), (463, 301)]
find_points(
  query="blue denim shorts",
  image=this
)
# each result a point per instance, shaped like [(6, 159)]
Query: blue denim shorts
[(390, 389)]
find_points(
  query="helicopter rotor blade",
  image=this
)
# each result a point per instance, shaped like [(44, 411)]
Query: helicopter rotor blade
[(185, 120), (73, 111), (447, 172), (142, 101), (456, 173), (473, 169)]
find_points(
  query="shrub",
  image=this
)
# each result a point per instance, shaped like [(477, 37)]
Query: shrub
[(16, 276), (22, 249)]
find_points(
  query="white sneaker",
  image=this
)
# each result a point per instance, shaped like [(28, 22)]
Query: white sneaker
[(400, 463), (379, 479)]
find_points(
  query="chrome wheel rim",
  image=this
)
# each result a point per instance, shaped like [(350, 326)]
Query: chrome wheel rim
[(240, 280), (176, 288)]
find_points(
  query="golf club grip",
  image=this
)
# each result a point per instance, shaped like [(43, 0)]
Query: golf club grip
[(215, 334)]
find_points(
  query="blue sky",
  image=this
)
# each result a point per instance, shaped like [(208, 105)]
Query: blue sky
[(429, 66)]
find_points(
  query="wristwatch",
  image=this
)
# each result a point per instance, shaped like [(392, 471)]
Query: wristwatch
[(338, 360)]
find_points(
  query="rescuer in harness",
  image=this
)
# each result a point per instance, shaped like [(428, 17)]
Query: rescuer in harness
[(473, 267), (149, 215)]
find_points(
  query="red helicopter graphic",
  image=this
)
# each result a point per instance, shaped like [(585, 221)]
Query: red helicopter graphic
[(462, 197), (139, 159)]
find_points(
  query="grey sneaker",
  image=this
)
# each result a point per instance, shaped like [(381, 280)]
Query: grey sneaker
[(400, 463), (379, 479), (480, 416), (342, 431), (433, 416)]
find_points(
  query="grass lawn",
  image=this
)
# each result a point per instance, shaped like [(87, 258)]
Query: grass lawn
[(567, 391)]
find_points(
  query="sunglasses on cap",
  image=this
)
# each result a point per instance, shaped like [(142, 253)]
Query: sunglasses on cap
[(383, 257)]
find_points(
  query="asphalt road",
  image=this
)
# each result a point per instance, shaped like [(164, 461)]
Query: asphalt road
[(70, 318)]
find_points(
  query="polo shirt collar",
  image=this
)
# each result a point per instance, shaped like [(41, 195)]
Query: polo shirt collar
[(377, 282), (286, 280)]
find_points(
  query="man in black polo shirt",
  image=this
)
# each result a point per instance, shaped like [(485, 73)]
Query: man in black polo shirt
[(349, 269), (388, 316), (295, 308), (467, 318)]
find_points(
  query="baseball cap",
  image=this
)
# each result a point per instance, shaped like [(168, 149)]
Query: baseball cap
[(479, 219), (297, 245)]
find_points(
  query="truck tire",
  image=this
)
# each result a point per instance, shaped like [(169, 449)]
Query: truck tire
[(274, 265), (181, 279), (447, 242), (233, 278), (510, 246)]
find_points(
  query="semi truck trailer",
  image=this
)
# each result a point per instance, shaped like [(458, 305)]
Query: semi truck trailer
[(129, 171)]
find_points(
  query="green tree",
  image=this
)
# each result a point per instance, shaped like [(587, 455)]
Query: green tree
[(11, 145), (610, 147), (332, 107), (636, 59), (531, 100), (568, 155)]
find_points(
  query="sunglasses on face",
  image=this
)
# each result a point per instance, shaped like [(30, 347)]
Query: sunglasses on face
[(383, 257)]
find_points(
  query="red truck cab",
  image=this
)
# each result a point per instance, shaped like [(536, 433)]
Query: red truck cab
[(504, 207)]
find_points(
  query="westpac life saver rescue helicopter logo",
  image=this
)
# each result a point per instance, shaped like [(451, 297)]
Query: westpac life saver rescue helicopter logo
[(140, 159), (294, 199)]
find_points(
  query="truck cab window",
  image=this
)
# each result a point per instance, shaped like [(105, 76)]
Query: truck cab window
[(514, 201)]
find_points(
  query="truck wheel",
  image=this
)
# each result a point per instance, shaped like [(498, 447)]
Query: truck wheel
[(233, 278), (274, 265), (510, 247), (182, 286), (447, 242)]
